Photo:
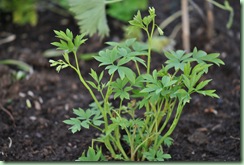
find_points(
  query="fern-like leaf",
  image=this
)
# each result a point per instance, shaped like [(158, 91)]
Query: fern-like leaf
[(91, 16)]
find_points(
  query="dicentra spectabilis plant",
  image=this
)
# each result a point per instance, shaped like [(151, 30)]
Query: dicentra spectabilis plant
[(159, 94)]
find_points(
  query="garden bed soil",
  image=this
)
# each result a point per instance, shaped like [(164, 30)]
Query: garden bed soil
[(209, 129)]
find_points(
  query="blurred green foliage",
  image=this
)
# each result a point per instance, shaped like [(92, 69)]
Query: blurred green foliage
[(125, 9), (23, 11)]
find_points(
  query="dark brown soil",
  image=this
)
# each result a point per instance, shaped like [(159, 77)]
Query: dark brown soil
[(38, 133)]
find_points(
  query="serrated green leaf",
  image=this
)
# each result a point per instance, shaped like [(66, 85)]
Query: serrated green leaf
[(80, 112), (195, 78), (208, 93), (79, 39), (124, 71), (147, 90), (64, 46), (153, 155), (76, 124), (120, 88), (202, 67), (202, 84), (112, 69), (182, 95), (97, 122), (137, 21), (168, 141), (66, 57), (166, 156), (202, 57), (101, 76), (187, 69), (107, 57), (187, 82), (147, 20), (166, 81), (85, 124), (96, 119), (123, 61), (92, 155), (91, 16), (57, 44), (92, 84), (93, 74), (69, 34)]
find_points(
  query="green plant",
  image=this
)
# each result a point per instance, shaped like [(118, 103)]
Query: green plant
[(125, 9), (225, 7), (23, 11), (23, 68), (91, 15), (160, 95)]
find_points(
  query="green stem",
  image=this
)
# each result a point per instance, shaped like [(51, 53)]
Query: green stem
[(137, 68), (147, 118), (77, 69), (117, 141), (96, 127), (142, 144), (109, 147), (169, 110), (149, 52), (106, 103), (150, 36), (172, 127), (133, 139)]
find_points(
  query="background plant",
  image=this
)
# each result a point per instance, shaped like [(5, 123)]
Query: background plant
[(23, 11), (91, 15), (26, 11), (159, 94), (23, 68)]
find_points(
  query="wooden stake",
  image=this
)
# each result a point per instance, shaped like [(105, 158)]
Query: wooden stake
[(185, 25), (210, 19)]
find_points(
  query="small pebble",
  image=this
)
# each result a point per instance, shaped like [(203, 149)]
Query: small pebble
[(40, 100), (30, 93), (223, 55), (66, 107), (33, 118), (22, 94), (37, 105), (38, 135), (26, 136)]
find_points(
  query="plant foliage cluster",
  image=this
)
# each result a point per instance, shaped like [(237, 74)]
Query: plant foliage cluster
[(159, 94)]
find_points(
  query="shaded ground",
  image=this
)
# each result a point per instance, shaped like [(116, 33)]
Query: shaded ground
[(38, 133)]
